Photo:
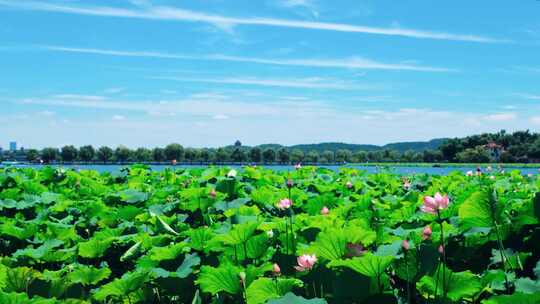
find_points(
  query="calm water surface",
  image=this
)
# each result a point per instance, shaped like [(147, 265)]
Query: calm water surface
[(371, 169)]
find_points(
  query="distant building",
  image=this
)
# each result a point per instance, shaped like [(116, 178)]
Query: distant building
[(238, 143), (495, 150), (13, 146)]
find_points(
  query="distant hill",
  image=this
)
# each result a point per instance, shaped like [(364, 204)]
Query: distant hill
[(334, 146)]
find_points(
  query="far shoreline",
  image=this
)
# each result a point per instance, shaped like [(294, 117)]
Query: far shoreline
[(274, 164)]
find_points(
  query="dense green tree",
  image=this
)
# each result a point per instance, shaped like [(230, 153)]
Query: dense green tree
[(222, 155), (450, 148), (534, 150), (142, 155), (312, 157), (360, 156), (283, 155), (205, 155), (49, 154), (269, 155), (430, 156), (473, 155), (297, 156), (32, 155), (68, 153), (158, 154), (105, 154), (238, 155), (255, 155), (87, 153), (122, 153), (343, 155), (174, 152), (191, 154), (328, 156)]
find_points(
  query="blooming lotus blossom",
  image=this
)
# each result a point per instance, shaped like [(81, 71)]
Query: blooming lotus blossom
[(349, 185), (469, 173), (325, 211), (212, 193), (355, 250), (406, 185), (232, 173), (284, 204), (492, 176), (405, 245), (434, 204), (276, 269), (305, 262), (426, 233), (270, 233), (298, 166)]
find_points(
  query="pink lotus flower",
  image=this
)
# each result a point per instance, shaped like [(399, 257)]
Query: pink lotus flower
[(325, 211), (354, 250), (276, 269), (212, 193), (434, 204), (305, 262), (426, 233), (469, 173), (298, 166), (405, 245), (284, 204), (349, 185)]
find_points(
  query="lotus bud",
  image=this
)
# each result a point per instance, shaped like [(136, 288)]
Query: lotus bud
[(405, 244), (325, 211), (290, 183), (426, 233), (276, 270)]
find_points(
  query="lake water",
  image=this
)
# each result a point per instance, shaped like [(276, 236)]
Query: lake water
[(405, 170)]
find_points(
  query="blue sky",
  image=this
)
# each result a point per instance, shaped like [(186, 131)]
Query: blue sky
[(208, 72)]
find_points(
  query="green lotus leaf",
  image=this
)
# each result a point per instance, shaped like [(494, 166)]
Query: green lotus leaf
[(264, 289)]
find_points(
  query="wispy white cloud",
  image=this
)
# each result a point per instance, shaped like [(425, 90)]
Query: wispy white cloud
[(347, 63), (178, 14), (307, 4), (308, 83), (535, 120), (220, 116), (79, 97), (113, 90), (118, 117), (500, 117), (529, 96)]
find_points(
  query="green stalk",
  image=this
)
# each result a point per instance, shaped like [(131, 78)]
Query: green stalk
[(286, 237), (443, 255), (503, 256), (245, 250), (407, 282)]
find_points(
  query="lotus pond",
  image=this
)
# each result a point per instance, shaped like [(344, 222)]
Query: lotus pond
[(253, 235)]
